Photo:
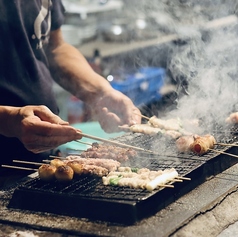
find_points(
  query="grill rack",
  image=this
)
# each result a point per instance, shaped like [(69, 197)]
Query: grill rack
[(122, 204)]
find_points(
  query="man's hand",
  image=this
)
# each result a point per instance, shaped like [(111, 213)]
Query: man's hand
[(36, 127), (115, 109)]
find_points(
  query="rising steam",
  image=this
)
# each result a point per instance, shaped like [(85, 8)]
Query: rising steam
[(208, 57)]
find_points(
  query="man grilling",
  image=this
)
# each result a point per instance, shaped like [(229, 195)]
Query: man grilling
[(33, 53)]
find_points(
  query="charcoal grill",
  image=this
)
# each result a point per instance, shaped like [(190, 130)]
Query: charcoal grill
[(87, 197)]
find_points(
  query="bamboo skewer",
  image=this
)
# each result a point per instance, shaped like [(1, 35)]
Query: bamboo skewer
[(177, 180), (166, 186), (143, 116), (73, 149), (226, 144), (113, 142), (85, 143), (46, 161), (19, 167), (58, 157), (222, 152), (183, 178), (28, 162)]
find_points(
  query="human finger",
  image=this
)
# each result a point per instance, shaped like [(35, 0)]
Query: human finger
[(43, 112)]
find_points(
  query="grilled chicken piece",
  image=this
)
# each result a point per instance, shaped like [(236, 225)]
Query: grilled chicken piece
[(170, 124), (183, 143), (145, 129), (201, 145), (233, 118), (150, 130)]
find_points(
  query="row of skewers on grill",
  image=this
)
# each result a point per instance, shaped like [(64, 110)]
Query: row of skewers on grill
[(172, 128), (185, 141), (111, 172)]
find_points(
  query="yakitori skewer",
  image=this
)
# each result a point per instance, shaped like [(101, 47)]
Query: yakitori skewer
[(175, 179), (85, 143), (222, 152), (58, 157), (226, 144), (183, 178), (19, 167), (143, 116), (27, 162), (166, 185), (113, 142), (74, 149)]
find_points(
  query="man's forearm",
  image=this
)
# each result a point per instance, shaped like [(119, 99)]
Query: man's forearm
[(72, 71)]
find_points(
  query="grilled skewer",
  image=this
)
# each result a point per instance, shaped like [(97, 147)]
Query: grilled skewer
[(171, 124), (113, 142), (205, 143), (226, 144), (225, 153), (142, 178), (27, 162), (18, 167), (58, 157), (50, 172), (148, 129), (85, 143)]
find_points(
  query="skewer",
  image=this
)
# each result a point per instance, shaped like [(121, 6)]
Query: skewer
[(183, 178), (73, 149), (46, 161), (58, 157), (177, 180), (113, 142), (226, 144), (221, 152), (143, 116), (27, 162), (85, 143), (166, 186), (18, 167)]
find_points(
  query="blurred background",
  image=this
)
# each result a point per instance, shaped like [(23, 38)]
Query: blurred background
[(153, 51)]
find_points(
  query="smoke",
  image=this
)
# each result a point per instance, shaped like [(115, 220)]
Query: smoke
[(206, 63), (210, 67), (203, 61)]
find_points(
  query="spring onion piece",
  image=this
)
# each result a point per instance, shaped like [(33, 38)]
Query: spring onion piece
[(114, 181), (135, 170)]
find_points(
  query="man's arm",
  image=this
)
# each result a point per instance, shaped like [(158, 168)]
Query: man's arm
[(36, 127), (72, 71)]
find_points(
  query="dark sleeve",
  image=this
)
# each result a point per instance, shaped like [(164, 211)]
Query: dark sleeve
[(57, 14)]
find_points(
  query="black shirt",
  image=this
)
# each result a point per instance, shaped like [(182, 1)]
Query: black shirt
[(25, 78)]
